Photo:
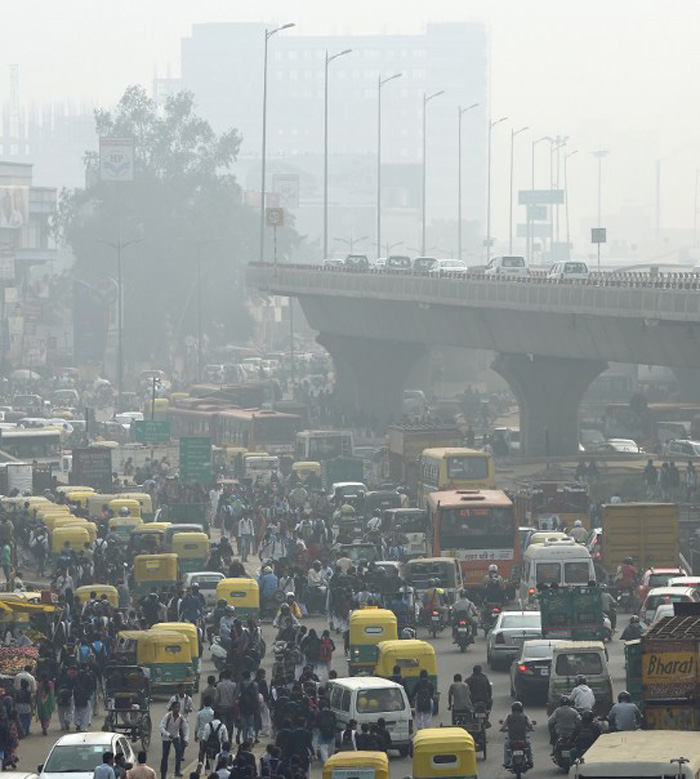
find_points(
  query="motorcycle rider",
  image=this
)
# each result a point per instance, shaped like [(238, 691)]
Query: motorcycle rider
[(459, 698), (464, 609), (578, 532), (585, 735), (481, 690), (624, 715), (517, 725), (609, 605), (493, 586), (434, 600), (633, 630), (564, 721), (626, 577), (582, 697), (317, 588)]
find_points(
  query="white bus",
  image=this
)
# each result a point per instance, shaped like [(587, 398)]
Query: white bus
[(319, 445)]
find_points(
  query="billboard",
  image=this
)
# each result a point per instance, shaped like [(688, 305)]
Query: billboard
[(14, 207), (117, 159)]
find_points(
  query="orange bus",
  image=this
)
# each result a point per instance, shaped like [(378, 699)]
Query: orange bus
[(258, 430), (477, 527)]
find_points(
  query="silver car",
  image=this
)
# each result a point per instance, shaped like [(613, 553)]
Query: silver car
[(506, 637)]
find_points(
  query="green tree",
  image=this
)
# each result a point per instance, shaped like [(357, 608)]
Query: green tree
[(184, 202)]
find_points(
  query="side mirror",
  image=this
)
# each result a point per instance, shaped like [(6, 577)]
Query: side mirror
[(40, 768)]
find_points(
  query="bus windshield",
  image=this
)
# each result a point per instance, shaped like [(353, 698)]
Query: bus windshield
[(467, 467), (477, 528)]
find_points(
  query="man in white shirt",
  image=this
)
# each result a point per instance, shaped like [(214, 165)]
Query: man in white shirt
[(183, 700), (174, 731), (582, 697), (245, 537)]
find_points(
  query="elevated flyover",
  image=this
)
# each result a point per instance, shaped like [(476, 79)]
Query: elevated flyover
[(552, 338)]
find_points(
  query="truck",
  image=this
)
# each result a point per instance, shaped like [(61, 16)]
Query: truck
[(406, 444), (649, 533), (572, 613), (662, 673)]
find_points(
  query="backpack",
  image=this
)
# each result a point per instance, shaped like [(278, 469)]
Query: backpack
[(307, 529), (424, 701), (249, 695), (326, 723), (65, 694), (212, 743), (325, 651)]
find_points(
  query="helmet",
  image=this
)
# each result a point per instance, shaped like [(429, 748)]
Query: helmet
[(493, 568), (624, 696), (289, 595), (587, 717), (124, 512), (628, 560), (578, 523), (407, 633), (634, 619), (230, 609), (517, 707), (266, 569), (603, 587), (434, 582), (581, 679), (565, 700)]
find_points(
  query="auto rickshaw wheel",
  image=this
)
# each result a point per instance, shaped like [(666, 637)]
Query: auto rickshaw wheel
[(145, 731)]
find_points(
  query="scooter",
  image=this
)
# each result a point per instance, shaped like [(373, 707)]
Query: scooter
[(463, 634)]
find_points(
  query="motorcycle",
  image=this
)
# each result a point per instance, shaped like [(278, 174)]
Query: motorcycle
[(518, 762), (561, 755), (462, 634), (475, 724), (489, 615), (435, 623)]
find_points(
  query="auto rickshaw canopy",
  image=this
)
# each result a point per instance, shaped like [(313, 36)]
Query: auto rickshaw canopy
[(447, 752), (241, 593), (363, 765), (371, 626), (83, 593), (411, 655)]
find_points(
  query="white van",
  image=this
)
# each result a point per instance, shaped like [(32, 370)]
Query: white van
[(556, 561), (569, 270), (365, 698), (653, 754), (514, 266)]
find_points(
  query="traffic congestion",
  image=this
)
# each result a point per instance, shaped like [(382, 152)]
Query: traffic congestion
[(283, 602)]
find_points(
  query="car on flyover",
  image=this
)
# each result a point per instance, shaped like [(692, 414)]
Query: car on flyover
[(333, 263), (512, 266), (399, 263), (449, 267), (569, 270), (682, 447)]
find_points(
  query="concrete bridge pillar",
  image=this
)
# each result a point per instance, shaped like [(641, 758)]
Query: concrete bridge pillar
[(549, 391), (371, 374)]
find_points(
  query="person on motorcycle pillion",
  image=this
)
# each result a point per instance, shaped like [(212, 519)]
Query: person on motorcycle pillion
[(564, 721), (517, 725), (633, 630), (493, 586), (585, 735), (464, 609), (626, 576), (434, 598), (582, 696), (609, 605)]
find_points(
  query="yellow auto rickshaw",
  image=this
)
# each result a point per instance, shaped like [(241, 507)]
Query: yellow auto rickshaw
[(412, 656), (76, 538), (243, 594), (83, 594), (190, 632), (166, 654), (78, 497), (192, 550), (64, 521), (306, 468), (358, 765), (123, 527), (66, 489), (49, 519), (154, 571), (368, 627), (96, 503), (132, 505), (148, 538), (451, 750), (145, 502), (91, 527)]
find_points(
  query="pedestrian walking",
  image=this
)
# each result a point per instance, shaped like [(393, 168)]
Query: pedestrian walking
[(141, 770), (175, 733), (423, 695), (45, 702), (106, 768)]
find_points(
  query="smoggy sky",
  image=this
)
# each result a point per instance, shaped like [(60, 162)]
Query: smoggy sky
[(620, 74)]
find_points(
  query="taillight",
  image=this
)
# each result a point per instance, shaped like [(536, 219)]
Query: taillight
[(531, 590), (436, 613), (500, 638), (462, 622), (495, 610), (525, 669)]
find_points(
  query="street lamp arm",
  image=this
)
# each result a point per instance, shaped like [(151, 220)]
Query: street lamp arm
[(270, 33), (428, 98), (386, 80)]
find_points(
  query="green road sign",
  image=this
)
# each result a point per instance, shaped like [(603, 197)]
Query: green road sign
[(195, 459), (545, 196), (152, 431)]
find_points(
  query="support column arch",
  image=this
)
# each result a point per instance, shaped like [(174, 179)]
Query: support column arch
[(549, 392)]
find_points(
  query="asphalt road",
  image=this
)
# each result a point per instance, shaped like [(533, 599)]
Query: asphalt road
[(34, 749)]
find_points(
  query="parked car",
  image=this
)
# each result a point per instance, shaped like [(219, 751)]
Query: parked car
[(456, 267), (658, 595), (569, 270), (511, 630), (78, 754), (680, 447), (656, 577), (529, 672), (510, 266)]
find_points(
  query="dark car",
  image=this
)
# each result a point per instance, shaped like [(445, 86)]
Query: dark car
[(357, 261), (529, 672)]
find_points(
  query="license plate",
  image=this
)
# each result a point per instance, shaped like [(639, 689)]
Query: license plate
[(480, 716), (565, 753), (544, 672), (518, 753)]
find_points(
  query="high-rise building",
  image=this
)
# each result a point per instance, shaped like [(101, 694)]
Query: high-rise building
[(222, 64)]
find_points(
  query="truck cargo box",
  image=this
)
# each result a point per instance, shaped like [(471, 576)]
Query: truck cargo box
[(647, 532)]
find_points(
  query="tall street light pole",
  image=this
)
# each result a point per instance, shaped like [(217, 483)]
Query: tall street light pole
[(566, 196), (531, 222), (329, 59), (513, 133), (460, 113), (380, 83), (492, 124), (268, 35), (600, 154), (426, 100)]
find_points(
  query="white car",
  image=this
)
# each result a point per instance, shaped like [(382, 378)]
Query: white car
[(506, 637), (76, 755), (207, 582), (454, 267), (508, 267), (619, 446), (570, 270), (330, 263), (681, 447)]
